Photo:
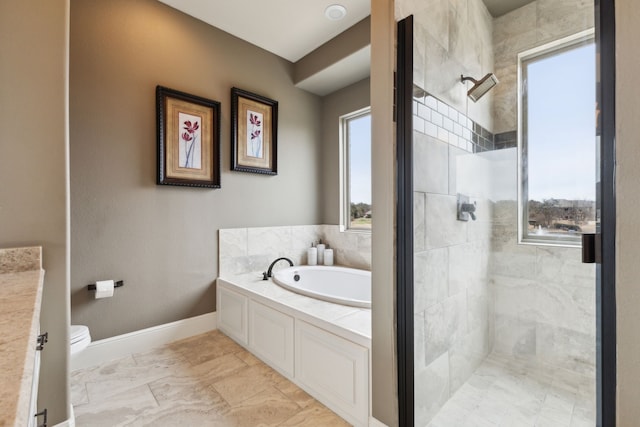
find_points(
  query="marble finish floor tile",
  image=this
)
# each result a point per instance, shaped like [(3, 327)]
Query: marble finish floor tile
[(507, 392), (206, 380)]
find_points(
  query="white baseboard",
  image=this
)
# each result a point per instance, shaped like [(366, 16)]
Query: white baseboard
[(373, 422), (143, 340)]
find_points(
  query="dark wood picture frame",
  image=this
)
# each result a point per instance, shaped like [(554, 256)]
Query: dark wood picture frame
[(188, 130), (254, 133)]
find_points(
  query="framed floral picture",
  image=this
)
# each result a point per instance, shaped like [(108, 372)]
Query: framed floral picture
[(188, 139), (254, 133)]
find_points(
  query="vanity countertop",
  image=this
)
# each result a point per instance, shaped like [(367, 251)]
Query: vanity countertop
[(21, 278)]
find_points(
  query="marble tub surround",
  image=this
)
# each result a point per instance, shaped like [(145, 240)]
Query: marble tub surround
[(244, 250), (21, 279), (206, 380)]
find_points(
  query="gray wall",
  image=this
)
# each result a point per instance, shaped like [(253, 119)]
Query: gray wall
[(383, 336), (33, 165), (162, 241), (628, 203), (344, 101)]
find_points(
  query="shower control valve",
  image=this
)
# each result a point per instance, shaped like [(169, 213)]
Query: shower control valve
[(466, 209)]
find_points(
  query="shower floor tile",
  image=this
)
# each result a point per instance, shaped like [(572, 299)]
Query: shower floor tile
[(504, 392), (206, 380)]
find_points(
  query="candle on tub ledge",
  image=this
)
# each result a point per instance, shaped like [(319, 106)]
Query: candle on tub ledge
[(328, 257)]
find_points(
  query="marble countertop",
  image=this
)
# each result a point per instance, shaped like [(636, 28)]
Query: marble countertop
[(21, 278), (352, 323)]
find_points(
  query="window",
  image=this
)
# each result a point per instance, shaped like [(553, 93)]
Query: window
[(557, 131), (355, 142)]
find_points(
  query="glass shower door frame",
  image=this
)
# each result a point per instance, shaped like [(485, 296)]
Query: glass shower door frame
[(605, 272)]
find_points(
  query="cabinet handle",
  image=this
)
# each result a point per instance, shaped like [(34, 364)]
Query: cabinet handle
[(42, 414), (42, 340)]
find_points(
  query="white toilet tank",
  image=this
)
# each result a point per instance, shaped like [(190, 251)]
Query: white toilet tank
[(79, 337)]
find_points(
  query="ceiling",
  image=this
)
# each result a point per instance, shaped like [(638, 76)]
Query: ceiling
[(288, 28), (292, 29)]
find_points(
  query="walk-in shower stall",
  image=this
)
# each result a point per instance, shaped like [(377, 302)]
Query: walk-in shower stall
[(498, 191)]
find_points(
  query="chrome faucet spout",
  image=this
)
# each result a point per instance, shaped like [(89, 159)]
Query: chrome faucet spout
[(267, 274)]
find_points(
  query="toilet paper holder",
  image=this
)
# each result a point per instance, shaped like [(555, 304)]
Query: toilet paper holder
[(118, 284)]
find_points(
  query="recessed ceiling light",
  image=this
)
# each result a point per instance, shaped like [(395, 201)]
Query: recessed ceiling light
[(335, 12)]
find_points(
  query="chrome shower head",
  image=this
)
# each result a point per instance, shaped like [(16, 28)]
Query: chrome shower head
[(480, 87)]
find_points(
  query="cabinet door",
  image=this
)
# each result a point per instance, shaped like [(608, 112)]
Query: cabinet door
[(33, 406), (335, 369), (232, 314), (271, 336)]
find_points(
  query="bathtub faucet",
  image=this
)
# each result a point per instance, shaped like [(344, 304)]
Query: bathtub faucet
[(267, 274)]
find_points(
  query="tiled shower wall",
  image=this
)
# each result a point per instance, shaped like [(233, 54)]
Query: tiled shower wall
[(247, 250), (544, 296), (535, 24), (476, 289), (544, 299), (451, 38), (452, 301)]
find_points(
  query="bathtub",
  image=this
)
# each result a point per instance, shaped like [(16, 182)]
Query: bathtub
[(340, 285)]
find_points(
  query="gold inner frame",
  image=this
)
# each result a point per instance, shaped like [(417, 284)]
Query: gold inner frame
[(266, 162), (173, 107)]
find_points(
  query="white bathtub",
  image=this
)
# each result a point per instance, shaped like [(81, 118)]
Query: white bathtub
[(340, 285)]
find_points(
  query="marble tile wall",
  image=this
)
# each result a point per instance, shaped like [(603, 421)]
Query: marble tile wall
[(544, 296), (245, 250), (453, 325), (451, 38), (452, 300), (476, 289), (544, 299), (535, 24)]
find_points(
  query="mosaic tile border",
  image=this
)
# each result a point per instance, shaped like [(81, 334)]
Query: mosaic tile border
[(435, 118)]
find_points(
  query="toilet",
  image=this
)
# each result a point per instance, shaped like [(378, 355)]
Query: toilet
[(79, 338)]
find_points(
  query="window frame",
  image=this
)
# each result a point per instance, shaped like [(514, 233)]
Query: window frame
[(345, 176), (548, 49)]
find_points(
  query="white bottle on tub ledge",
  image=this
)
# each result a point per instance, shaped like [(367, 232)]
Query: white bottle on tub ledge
[(312, 255), (321, 247), (328, 257)]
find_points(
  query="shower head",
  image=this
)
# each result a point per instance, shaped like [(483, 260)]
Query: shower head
[(480, 87)]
